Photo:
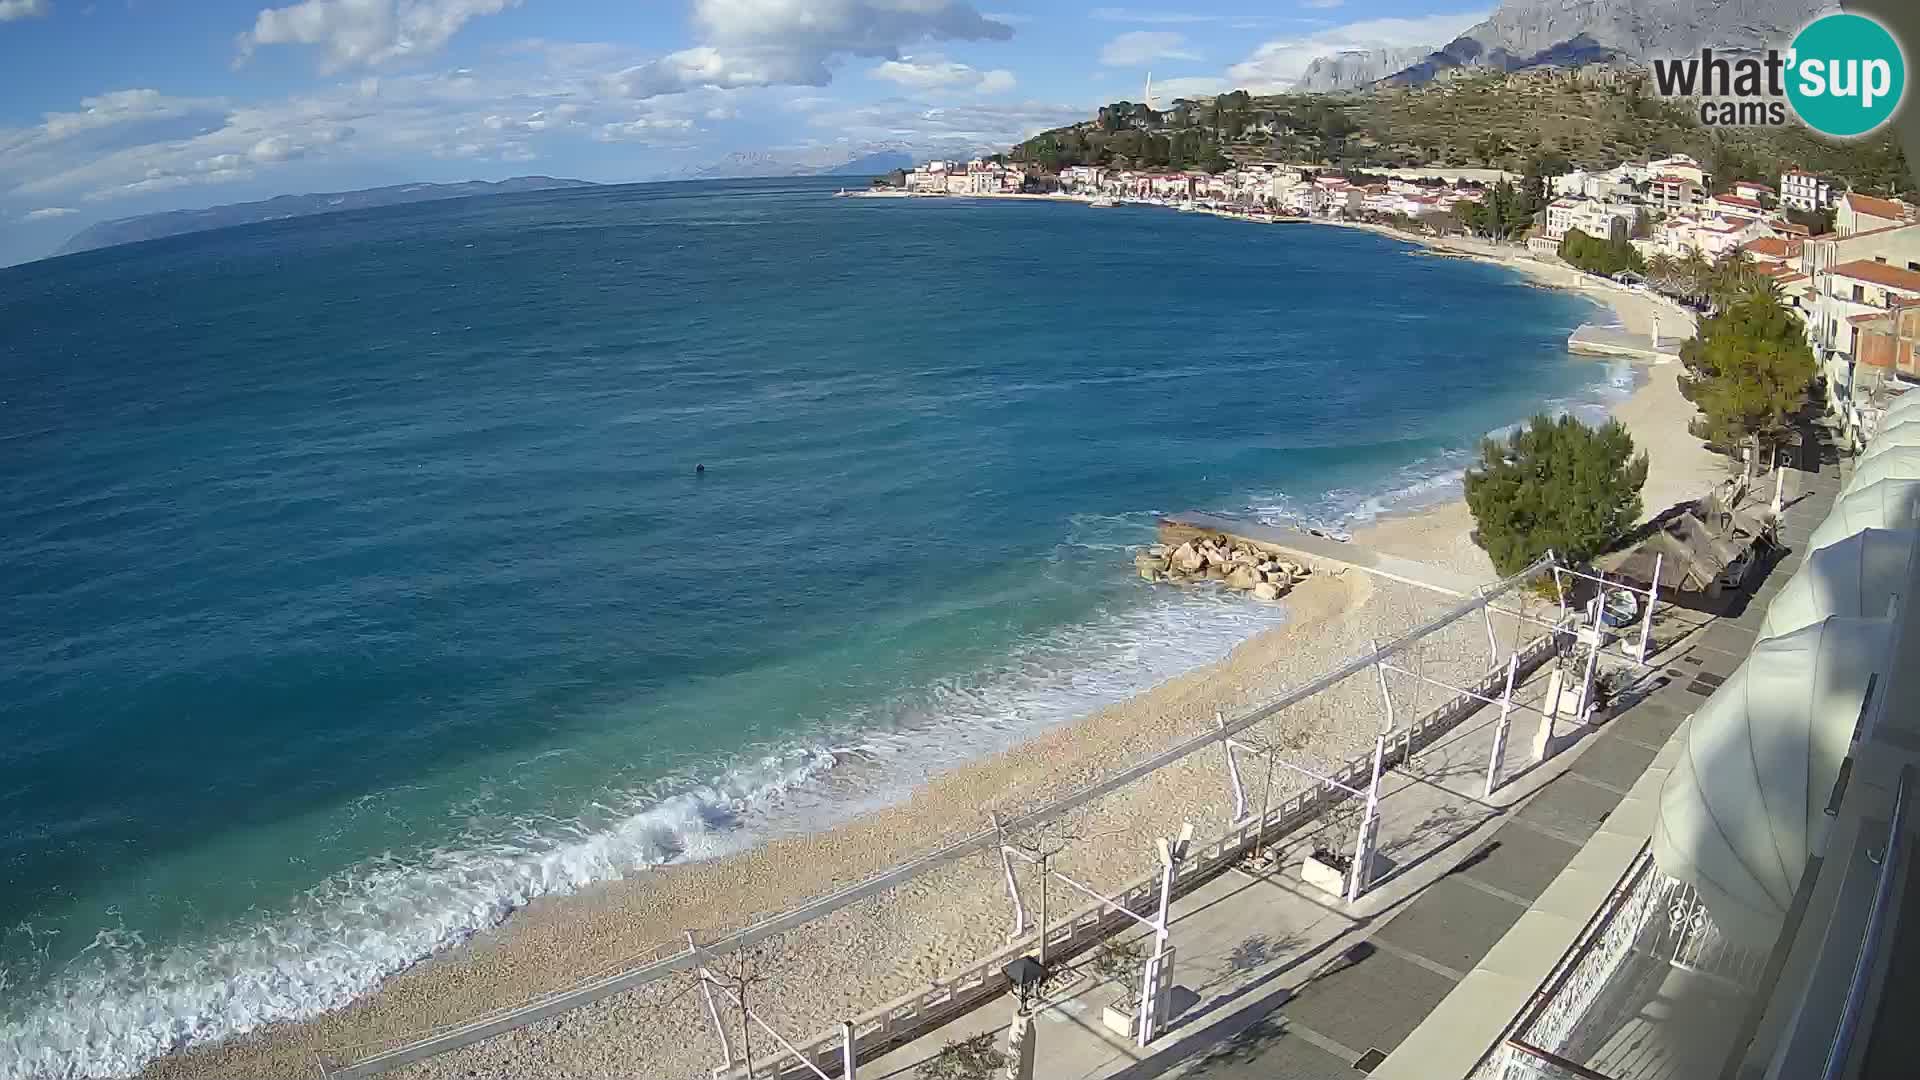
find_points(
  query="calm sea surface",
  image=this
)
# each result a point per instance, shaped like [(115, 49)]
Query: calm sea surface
[(359, 587)]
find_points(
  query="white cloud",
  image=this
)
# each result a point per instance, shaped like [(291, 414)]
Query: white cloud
[(1323, 4), (935, 72), (48, 213), (953, 129), (646, 129), (747, 43), (1197, 86), (23, 9), (120, 107), (1278, 64), (1145, 46), (1134, 15), (350, 33)]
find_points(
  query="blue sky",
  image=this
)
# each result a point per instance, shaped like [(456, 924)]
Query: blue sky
[(119, 107)]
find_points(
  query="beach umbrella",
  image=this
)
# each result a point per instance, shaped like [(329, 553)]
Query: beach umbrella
[(1889, 504), (1899, 463), (1745, 805), (1852, 578)]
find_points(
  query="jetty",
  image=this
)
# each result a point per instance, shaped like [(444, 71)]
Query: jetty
[(1316, 551), (1593, 339)]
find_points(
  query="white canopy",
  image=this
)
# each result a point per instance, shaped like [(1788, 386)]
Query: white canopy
[(1852, 578), (1745, 804), (1893, 435), (1889, 504), (1904, 406), (1893, 463)]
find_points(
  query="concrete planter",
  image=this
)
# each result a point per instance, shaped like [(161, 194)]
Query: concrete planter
[(1118, 1017), (1324, 875)]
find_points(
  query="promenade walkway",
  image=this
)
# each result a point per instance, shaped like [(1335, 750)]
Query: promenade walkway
[(1277, 981)]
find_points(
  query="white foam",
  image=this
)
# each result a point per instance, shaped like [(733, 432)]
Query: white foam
[(123, 1004)]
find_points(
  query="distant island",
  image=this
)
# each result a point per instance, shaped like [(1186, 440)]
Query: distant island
[(178, 222)]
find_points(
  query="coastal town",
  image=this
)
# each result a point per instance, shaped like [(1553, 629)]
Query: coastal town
[(1846, 264)]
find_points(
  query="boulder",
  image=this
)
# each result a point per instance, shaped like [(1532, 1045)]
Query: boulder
[(1188, 559), (1245, 557), (1148, 573), (1160, 550), (1148, 560), (1266, 590), (1242, 577), (1217, 572)]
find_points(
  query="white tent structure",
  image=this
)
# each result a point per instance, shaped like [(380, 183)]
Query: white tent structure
[(1894, 435), (1904, 407), (1745, 804), (1889, 504), (1891, 463), (1852, 578)]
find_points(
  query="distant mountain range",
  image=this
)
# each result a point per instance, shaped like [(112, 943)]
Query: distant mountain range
[(868, 160), (1357, 68), (1570, 33), (177, 222)]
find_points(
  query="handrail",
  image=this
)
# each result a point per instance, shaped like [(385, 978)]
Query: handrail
[(500, 1022), (1843, 1034)]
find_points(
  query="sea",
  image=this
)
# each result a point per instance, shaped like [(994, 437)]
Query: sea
[(367, 576)]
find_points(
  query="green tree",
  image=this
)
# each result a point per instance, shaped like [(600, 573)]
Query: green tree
[(1555, 484), (1748, 369)]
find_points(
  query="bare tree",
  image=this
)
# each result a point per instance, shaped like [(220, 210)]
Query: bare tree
[(1270, 747), (736, 974), (1040, 842)]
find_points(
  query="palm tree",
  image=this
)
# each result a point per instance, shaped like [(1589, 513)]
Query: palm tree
[(1696, 275), (1662, 271)]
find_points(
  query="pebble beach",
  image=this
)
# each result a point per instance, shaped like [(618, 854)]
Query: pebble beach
[(912, 936)]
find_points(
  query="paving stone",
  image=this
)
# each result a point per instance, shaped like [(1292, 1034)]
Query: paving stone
[(1570, 807), (1614, 761), (1452, 923), (1518, 860), (1371, 998)]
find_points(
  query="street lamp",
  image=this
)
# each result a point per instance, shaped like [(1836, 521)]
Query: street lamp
[(1026, 974)]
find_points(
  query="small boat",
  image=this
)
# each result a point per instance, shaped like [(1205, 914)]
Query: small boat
[(1102, 202), (1188, 207)]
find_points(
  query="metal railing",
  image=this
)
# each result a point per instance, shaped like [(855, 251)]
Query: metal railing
[(1845, 1032), (453, 1037)]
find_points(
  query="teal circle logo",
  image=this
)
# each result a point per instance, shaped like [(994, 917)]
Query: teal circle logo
[(1845, 75)]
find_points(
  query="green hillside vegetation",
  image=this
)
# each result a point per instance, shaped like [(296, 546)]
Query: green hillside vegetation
[(1485, 120)]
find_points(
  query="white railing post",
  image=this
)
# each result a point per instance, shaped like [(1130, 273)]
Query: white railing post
[(1593, 659), (1233, 769), (1361, 874), (1496, 762), (1653, 598), (1493, 640), (713, 1010), (848, 1059)]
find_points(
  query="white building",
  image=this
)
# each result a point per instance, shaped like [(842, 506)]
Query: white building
[(1863, 213), (1804, 191), (1593, 218)]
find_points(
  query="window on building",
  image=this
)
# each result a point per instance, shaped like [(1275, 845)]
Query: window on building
[(1881, 259), (1859, 294)]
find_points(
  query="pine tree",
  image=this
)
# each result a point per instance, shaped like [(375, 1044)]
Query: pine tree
[(1555, 484), (1748, 369)]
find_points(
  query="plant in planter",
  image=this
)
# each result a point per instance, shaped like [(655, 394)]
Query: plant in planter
[(976, 1058), (1330, 862), (1121, 962)]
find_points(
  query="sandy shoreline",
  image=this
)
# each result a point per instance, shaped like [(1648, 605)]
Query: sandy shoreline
[(913, 935)]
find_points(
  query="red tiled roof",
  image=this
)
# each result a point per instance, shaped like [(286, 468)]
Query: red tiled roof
[(1752, 184), (1880, 208), (1770, 246), (1892, 277), (1736, 200)]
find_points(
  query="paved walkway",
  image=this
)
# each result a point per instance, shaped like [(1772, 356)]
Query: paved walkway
[(1276, 980)]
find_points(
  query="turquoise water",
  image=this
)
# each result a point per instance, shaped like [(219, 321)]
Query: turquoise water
[(361, 587)]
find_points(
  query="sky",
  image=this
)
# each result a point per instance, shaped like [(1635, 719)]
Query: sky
[(111, 108)]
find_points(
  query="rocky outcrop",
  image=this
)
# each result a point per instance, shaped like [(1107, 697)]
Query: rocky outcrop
[(1569, 33), (1238, 566), (1357, 68)]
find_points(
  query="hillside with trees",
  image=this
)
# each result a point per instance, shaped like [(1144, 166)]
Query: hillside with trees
[(1481, 121)]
